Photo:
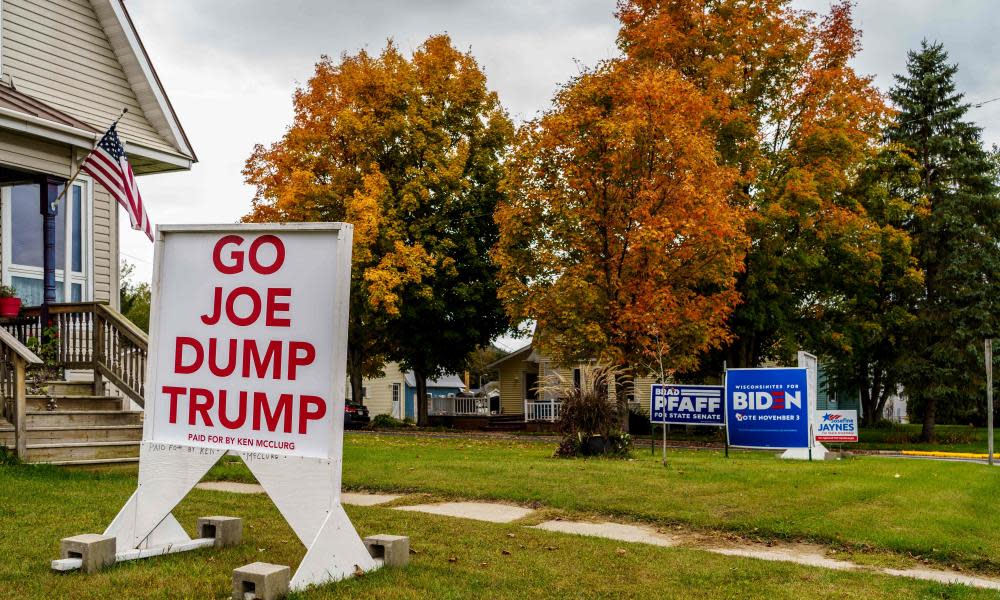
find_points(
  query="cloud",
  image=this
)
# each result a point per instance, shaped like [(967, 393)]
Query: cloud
[(230, 67)]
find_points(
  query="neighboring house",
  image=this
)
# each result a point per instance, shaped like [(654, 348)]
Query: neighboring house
[(829, 397), (530, 381), (395, 392), (67, 69)]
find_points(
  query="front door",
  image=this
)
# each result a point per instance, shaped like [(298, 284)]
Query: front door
[(397, 401), (531, 387)]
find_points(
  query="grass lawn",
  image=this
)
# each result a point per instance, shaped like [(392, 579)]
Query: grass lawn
[(940, 511), (40, 505), (950, 438)]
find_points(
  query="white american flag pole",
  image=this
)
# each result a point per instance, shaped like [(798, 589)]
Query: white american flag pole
[(79, 167)]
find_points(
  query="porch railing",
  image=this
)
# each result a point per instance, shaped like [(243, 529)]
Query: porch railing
[(542, 410), (457, 406), (92, 336), (15, 358)]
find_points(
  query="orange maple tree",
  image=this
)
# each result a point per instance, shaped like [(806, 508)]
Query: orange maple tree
[(797, 122), (408, 150), (617, 235)]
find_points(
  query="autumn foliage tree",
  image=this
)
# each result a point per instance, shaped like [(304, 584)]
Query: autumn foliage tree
[(617, 231), (407, 150), (789, 114)]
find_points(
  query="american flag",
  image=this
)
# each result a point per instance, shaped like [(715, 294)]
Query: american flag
[(108, 165)]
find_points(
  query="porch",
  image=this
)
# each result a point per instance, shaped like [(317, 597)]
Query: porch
[(71, 393)]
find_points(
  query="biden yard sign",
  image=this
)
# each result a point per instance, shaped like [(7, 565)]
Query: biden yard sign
[(767, 408), (687, 404)]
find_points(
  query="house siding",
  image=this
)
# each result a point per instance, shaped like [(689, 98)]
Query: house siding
[(105, 247), (57, 52), (379, 390), (512, 385), (32, 154)]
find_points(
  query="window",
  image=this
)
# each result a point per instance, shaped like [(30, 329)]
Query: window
[(23, 249), (577, 378)]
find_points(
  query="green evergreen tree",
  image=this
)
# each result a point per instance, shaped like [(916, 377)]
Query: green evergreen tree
[(955, 237)]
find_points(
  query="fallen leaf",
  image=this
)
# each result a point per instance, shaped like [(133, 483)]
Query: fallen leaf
[(358, 571), (413, 551), (453, 559), (482, 564), (505, 552), (621, 551), (550, 548), (510, 535)]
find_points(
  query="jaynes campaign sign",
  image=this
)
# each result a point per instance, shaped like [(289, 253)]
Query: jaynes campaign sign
[(686, 404), (249, 337), (767, 408), (836, 426)]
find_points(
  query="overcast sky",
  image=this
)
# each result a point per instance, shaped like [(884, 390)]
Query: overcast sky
[(230, 67)]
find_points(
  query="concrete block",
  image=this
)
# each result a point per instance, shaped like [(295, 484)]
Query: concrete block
[(95, 550), (264, 580), (227, 531), (394, 550)]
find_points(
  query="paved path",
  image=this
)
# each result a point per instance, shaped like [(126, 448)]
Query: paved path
[(479, 511), (493, 512)]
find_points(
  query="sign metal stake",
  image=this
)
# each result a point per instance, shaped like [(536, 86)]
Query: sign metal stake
[(664, 428), (726, 399), (989, 400)]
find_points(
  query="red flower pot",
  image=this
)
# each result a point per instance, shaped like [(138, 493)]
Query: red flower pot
[(9, 307)]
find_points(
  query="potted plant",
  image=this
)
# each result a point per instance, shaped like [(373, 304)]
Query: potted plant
[(10, 304)]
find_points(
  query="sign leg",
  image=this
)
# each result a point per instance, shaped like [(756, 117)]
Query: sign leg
[(166, 474)]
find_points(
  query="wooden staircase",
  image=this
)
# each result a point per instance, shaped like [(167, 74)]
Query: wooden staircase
[(70, 425), (73, 422)]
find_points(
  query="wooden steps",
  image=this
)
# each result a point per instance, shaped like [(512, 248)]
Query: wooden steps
[(73, 402), (88, 451), (69, 418), (70, 425), (6, 433)]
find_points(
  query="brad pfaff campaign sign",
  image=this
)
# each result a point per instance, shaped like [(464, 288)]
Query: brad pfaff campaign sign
[(836, 426), (767, 408), (675, 404), (249, 338)]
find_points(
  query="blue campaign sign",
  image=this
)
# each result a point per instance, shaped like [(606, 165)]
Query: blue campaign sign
[(767, 408), (687, 404)]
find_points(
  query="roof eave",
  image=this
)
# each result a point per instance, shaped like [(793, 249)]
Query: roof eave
[(142, 76), (154, 161), (510, 356)]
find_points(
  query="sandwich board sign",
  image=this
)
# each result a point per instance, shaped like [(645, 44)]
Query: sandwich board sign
[(248, 342), (677, 404), (837, 426), (767, 408)]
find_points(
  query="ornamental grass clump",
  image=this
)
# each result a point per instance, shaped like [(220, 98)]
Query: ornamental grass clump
[(590, 420)]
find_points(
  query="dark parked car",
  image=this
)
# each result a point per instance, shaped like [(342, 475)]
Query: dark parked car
[(355, 415)]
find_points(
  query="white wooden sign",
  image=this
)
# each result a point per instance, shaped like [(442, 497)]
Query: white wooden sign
[(248, 340)]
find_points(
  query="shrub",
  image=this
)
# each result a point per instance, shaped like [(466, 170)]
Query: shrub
[(385, 421), (589, 421), (8, 458)]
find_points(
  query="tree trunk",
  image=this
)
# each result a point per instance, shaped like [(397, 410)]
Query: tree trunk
[(927, 434), (883, 398), (421, 377), (354, 362), (871, 392), (867, 404)]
